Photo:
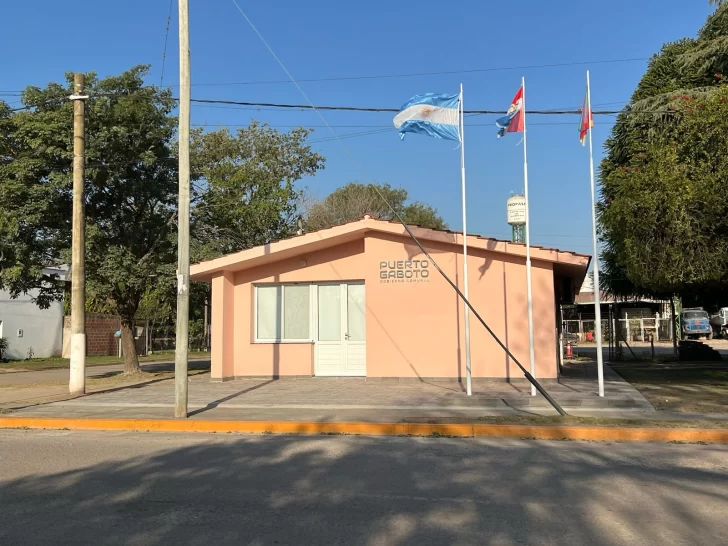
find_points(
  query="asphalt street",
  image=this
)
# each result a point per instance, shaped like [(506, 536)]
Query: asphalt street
[(63, 487)]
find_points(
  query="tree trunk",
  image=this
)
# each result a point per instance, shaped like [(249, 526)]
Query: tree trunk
[(128, 348)]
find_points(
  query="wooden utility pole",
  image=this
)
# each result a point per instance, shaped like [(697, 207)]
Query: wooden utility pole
[(77, 381), (183, 218)]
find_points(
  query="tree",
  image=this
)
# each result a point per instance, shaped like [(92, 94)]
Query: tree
[(131, 187), (671, 216), (662, 210), (244, 187), (244, 195), (354, 200)]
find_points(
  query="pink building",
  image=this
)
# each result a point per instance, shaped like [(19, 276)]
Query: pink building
[(360, 299)]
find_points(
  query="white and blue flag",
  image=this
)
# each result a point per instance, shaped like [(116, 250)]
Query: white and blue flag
[(430, 114)]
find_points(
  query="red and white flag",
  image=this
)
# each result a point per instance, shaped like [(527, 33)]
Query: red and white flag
[(587, 119), (512, 122)]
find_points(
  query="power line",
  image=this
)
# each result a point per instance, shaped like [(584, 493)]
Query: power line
[(427, 254), (303, 107), (351, 135), (419, 74), (248, 108), (166, 38), (308, 126), (271, 105), (392, 110)]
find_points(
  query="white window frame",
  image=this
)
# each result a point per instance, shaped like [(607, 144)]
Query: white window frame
[(311, 312)]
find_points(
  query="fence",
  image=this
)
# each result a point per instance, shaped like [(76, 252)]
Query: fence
[(642, 336), (162, 337), (626, 329)]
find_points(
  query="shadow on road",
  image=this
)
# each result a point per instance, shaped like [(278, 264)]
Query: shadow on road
[(318, 490)]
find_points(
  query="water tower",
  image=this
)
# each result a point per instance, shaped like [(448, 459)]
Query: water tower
[(516, 216)]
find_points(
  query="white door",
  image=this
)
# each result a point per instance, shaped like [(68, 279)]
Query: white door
[(355, 334), (341, 330)]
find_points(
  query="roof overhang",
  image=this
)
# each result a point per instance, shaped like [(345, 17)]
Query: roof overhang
[(570, 263)]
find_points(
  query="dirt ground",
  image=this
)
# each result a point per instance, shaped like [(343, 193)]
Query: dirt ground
[(54, 391), (684, 389)]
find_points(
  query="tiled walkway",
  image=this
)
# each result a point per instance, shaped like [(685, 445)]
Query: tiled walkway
[(344, 398)]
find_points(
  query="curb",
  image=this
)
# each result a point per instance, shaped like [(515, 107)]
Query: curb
[(538, 432)]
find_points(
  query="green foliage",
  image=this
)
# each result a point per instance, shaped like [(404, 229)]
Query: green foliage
[(159, 302), (245, 193), (4, 344), (354, 200), (130, 187), (663, 212), (197, 334), (130, 190)]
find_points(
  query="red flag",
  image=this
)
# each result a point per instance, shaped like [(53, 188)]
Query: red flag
[(587, 119), (512, 122)]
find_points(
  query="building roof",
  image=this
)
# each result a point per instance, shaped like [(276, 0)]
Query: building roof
[(350, 231)]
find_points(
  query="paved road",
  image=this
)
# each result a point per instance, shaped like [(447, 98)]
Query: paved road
[(123, 488)]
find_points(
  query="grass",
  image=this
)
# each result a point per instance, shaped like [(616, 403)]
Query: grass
[(37, 364), (681, 389), (550, 420)]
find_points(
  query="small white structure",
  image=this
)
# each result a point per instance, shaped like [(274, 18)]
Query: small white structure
[(516, 216), (516, 210), (28, 328)]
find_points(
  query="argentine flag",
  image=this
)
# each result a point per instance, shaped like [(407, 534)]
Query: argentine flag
[(430, 114)]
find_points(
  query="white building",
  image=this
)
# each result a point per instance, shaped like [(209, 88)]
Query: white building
[(28, 327)]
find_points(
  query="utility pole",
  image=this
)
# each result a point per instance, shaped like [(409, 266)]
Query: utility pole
[(206, 330), (183, 218), (77, 381)]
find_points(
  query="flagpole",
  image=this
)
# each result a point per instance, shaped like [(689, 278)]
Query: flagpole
[(595, 258), (529, 291), (468, 370)]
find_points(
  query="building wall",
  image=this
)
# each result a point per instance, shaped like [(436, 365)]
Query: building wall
[(245, 358), (415, 326), (100, 330), (416, 329), (42, 328)]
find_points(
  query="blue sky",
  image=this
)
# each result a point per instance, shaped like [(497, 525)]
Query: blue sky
[(326, 38)]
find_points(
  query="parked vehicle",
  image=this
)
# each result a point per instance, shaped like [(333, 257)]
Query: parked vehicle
[(719, 322), (695, 323)]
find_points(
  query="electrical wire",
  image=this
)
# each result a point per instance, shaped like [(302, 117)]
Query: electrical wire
[(309, 126), (209, 103), (166, 38), (551, 112), (420, 74), (407, 228), (352, 135)]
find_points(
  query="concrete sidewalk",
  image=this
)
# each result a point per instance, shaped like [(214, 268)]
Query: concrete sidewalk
[(333, 414), (356, 399), (23, 389)]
